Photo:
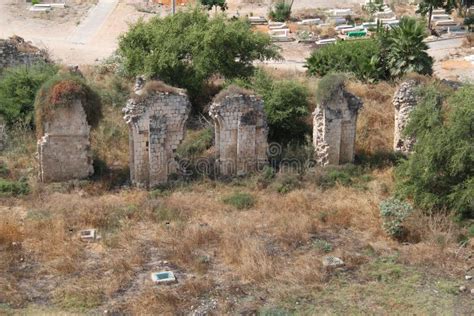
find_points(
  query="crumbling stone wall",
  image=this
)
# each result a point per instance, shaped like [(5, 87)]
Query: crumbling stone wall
[(16, 51), (156, 117), (404, 101), (64, 149), (240, 132), (334, 128)]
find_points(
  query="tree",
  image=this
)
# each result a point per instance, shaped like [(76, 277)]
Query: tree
[(403, 49), (427, 6), (188, 49), (439, 174), (18, 87), (209, 4)]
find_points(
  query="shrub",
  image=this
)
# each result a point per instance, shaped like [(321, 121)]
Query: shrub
[(240, 200), (60, 91), (439, 174), (195, 143), (18, 87), (346, 57), (281, 12), (322, 245), (13, 188), (287, 182), (185, 50), (329, 86), (393, 213), (286, 106)]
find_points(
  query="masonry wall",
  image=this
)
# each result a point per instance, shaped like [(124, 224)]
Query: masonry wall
[(16, 51), (64, 150), (156, 127), (404, 102), (334, 129), (240, 134)]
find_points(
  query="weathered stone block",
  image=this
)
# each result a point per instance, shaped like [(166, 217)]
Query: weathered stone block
[(240, 131), (156, 117), (334, 129)]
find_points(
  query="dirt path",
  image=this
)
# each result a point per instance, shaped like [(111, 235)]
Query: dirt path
[(93, 22)]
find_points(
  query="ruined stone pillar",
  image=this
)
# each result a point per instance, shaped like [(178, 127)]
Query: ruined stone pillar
[(404, 102), (156, 115), (240, 131), (64, 151), (334, 128)]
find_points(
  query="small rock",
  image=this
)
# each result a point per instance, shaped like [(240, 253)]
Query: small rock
[(468, 277), (472, 291), (334, 262), (462, 288)]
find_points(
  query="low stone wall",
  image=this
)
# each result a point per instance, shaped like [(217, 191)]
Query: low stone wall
[(16, 51)]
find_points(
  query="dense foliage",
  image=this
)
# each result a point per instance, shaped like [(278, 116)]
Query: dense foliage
[(286, 106), (186, 50), (393, 212), (391, 54), (18, 87), (346, 56), (440, 173), (402, 49), (328, 86)]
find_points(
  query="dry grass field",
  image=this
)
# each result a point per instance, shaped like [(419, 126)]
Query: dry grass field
[(260, 254)]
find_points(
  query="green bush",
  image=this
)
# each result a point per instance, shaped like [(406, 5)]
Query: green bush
[(13, 188), (393, 213), (328, 86), (240, 200), (439, 174), (322, 245), (281, 12), (186, 49), (286, 106), (18, 87), (287, 182), (390, 55), (347, 57)]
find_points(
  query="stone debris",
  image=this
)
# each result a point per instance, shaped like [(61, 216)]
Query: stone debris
[(16, 51), (332, 262), (404, 102), (64, 150), (89, 235), (163, 277), (468, 277), (462, 288), (156, 117), (240, 132), (334, 129)]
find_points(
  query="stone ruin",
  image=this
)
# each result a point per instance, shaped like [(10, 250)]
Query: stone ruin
[(2, 133), (156, 117), (16, 51), (334, 128), (64, 151), (404, 102), (240, 131)]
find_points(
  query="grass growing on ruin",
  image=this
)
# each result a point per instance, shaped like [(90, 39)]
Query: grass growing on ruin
[(60, 91), (250, 244)]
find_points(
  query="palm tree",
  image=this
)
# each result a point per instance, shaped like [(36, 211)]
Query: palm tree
[(406, 51)]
